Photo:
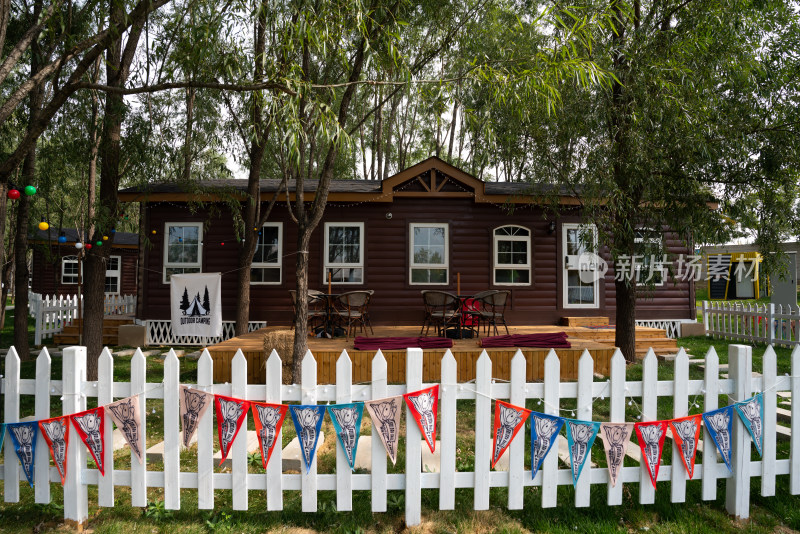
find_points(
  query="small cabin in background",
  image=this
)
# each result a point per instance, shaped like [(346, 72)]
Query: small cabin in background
[(56, 266)]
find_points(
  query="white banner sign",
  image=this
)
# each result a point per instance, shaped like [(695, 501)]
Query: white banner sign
[(196, 304)]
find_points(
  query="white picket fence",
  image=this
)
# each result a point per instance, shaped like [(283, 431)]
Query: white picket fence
[(74, 390), (53, 312), (672, 327), (159, 332), (768, 323)]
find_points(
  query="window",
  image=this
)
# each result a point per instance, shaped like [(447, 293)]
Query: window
[(649, 267), (512, 256), (429, 254), (582, 269), (266, 267), (182, 249), (113, 270), (69, 270), (344, 253)]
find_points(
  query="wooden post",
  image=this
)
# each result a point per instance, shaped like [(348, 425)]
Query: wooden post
[(413, 442), (11, 465), (42, 471), (329, 284), (378, 478), (737, 489), (76, 499), (458, 283), (483, 430)]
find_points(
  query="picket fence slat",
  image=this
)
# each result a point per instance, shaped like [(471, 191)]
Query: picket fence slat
[(42, 411), (205, 437), (647, 493), (765, 324), (548, 397), (105, 395), (378, 453), (680, 408)]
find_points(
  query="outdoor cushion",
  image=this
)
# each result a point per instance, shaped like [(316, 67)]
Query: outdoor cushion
[(394, 343), (556, 340)]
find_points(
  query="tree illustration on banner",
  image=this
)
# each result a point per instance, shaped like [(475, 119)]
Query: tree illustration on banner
[(90, 425), (268, 419), (508, 419), (125, 413), (307, 421), (385, 414), (423, 405), (544, 429), (231, 413), (651, 440), (751, 413), (56, 435), (23, 437), (347, 424), (686, 431), (194, 404), (580, 437), (615, 438), (719, 424)]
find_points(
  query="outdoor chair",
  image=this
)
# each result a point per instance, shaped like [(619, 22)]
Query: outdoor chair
[(352, 309), (316, 309), (442, 310), (473, 312), (493, 309)]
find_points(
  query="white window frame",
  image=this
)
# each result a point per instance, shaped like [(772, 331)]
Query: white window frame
[(279, 264), (653, 237), (511, 266), (565, 227), (360, 265), (413, 265), (175, 265), (70, 259), (117, 275)]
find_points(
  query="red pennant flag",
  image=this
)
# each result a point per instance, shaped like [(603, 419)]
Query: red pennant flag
[(423, 405), (231, 413), (90, 426), (508, 419), (651, 440), (268, 419), (686, 432), (56, 434)]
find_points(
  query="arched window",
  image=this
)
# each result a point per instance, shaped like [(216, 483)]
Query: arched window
[(512, 256)]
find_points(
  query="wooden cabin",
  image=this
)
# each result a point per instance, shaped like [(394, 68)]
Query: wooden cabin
[(55, 265), (431, 226)]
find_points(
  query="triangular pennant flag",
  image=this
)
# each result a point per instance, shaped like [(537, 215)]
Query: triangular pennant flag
[(2, 434), (651, 437), (307, 421), (56, 434), (423, 405), (508, 419), (544, 429), (615, 438), (194, 404), (347, 425), (719, 424), (580, 437), (125, 413), (751, 413), (268, 419), (385, 414), (23, 436), (231, 413), (686, 432), (90, 425)]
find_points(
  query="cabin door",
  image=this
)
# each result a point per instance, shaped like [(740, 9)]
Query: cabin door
[(581, 271)]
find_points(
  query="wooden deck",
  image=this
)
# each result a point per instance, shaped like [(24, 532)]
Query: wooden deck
[(465, 351)]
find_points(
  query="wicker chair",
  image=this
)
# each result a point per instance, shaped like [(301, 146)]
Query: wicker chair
[(442, 310), (493, 309), (352, 309), (316, 308)]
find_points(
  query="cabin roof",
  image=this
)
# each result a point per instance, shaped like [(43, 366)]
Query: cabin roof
[(432, 177)]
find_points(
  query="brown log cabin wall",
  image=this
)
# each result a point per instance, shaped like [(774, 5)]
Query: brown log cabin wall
[(46, 272), (386, 262)]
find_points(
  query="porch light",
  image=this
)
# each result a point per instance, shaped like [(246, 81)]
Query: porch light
[(551, 228)]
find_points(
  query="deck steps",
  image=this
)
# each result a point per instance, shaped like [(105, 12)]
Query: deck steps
[(584, 321), (71, 333)]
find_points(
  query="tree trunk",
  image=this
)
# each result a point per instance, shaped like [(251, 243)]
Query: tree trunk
[(301, 311), (625, 336), (21, 265)]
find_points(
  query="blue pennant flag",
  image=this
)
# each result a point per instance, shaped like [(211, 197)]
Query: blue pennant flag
[(719, 424), (544, 432), (23, 436), (580, 438), (751, 413), (347, 425), (307, 421)]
